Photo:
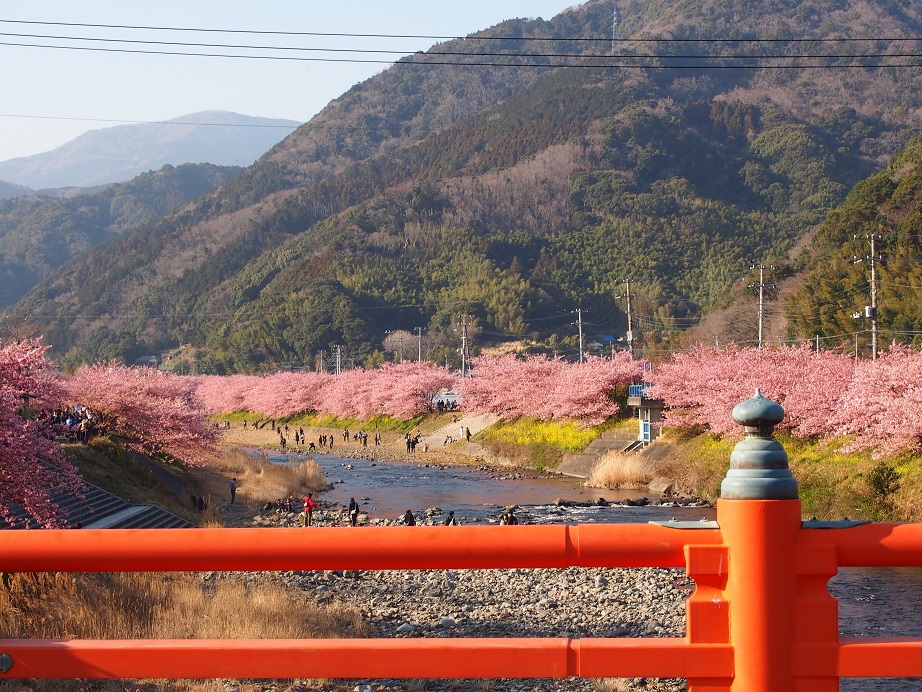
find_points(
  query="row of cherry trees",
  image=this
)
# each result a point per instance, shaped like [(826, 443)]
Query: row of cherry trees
[(826, 394), (148, 410), (504, 385), (548, 389), (32, 465), (402, 391)]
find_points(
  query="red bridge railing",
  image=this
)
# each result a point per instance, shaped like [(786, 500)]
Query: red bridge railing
[(760, 609), (760, 619)]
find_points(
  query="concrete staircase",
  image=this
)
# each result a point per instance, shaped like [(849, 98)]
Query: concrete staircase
[(99, 509), (475, 424)]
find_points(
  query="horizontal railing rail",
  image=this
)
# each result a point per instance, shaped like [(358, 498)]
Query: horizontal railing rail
[(325, 548)]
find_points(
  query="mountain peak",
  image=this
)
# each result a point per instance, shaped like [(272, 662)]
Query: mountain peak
[(121, 152)]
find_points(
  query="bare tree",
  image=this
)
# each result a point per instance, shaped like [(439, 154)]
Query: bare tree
[(401, 344)]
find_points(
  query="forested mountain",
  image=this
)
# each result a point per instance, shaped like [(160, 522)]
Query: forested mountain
[(837, 277), (120, 153), (12, 190), (513, 194), (38, 234)]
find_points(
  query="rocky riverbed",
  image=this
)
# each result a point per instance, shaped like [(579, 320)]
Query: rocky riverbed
[(573, 602)]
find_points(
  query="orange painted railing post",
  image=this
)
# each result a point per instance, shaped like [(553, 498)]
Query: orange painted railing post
[(759, 514)]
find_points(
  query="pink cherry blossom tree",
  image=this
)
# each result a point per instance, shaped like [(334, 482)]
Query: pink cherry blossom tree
[(701, 387), (225, 393), (32, 465), (156, 412), (882, 406), (402, 391), (547, 388), (407, 390)]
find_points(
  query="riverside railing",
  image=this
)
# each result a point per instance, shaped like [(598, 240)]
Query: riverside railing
[(760, 619)]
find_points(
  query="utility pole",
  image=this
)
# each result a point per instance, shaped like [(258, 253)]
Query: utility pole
[(463, 345), (419, 344), (579, 322), (629, 337), (339, 359), (870, 311), (762, 269), (873, 298), (630, 328), (761, 301)]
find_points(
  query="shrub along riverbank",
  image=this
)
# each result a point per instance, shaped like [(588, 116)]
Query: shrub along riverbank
[(833, 483)]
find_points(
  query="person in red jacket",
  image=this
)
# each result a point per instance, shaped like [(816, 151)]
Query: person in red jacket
[(309, 505)]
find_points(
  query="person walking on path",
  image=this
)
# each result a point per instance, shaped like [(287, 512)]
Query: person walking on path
[(233, 489), (353, 511), (309, 505)]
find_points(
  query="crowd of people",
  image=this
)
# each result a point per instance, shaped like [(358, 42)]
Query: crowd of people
[(325, 441), (77, 424), (306, 516)]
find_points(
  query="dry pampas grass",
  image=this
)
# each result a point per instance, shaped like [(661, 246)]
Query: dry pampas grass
[(620, 470)]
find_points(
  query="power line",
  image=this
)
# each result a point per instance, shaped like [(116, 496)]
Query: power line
[(314, 49), (435, 37), (601, 61), (489, 59)]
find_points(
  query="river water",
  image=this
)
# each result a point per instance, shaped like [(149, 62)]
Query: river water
[(873, 602)]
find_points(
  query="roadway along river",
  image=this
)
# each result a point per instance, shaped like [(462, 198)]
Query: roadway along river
[(873, 602)]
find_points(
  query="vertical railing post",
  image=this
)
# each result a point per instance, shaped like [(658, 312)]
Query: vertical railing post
[(759, 513)]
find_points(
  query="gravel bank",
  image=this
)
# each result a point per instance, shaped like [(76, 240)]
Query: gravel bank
[(571, 602)]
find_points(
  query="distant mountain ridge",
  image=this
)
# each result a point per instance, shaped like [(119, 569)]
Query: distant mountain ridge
[(38, 234), (120, 153), (12, 190)]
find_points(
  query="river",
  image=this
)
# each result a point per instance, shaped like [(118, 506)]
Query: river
[(873, 602)]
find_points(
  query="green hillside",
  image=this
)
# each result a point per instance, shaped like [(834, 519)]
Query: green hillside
[(38, 234), (514, 195), (837, 274)]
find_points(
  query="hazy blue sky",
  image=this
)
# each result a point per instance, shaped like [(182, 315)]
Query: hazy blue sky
[(47, 91)]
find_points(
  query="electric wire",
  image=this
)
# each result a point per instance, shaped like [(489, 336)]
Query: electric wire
[(456, 53), (702, 61), (422, 59), (606, 40)]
